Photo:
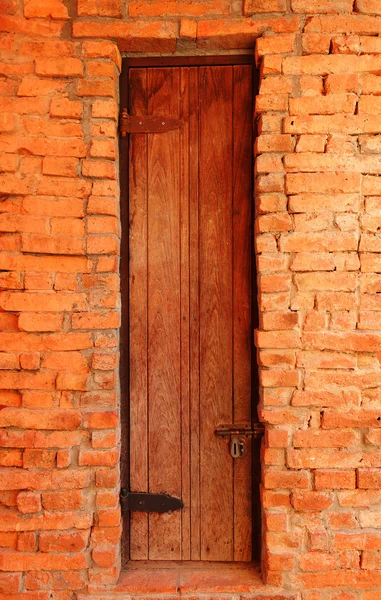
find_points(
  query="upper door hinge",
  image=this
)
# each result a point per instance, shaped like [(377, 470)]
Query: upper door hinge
[(148, 502), (145, 124)]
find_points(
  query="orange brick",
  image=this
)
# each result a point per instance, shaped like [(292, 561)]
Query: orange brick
[(30, 361), (54, 302), (158, 8), (10, 583), (66, 109), (108, 8), (65, 500), (316, 561), (322, 6), (63, 542), (66, 167), (28, 502), (39, 322), (311, 501), (54, 9), (188, 29), (56, 67), (65, 361), (104, 557), (258, 6)]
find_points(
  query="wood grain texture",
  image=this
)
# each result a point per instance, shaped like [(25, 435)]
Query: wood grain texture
[(194, 282), (190, 310), (138, 325), (164, 366), (215, 272), (242, 302), (184, 322)]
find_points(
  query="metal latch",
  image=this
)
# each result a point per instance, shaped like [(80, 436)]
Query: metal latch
[(145, 123), (239, 434), (146, 502)]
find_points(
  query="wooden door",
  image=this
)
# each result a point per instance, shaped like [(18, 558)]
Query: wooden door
[(190, 331)]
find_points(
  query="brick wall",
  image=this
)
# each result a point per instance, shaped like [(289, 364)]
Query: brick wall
[(318, 243)]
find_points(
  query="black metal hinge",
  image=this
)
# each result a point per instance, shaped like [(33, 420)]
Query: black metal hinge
[(145, 124), (146, 502)]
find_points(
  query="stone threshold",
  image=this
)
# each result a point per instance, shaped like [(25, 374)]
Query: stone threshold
[(174, 579)]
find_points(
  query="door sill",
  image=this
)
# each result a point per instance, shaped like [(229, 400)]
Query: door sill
[(171, 577)]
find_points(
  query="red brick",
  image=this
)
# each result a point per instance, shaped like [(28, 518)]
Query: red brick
[(102, 244), (10, 583), (104, 557), (40, 419), (103, 439), (107, 499), (27, 542), (103, 149), (104, 362), (54, 9), (188, 29), (286, 479), (335, 479), (11, 380), (99, 458), (137, 36), (316, 561), (100, 420), (65, 361), (11, 458), (52, 206), (29, 502), (106, 478), (50, 302), (8, 540), (108, 8), (28, 561), (37, 459), (40, 322), (311, 501), (32, 399), (56, 67), (9, 398), (241, 33), (66, 167), (66, 109), (325, 439), (68, 500), (157, 8), (63, 542)]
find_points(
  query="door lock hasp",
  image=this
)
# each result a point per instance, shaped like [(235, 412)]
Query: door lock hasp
[(239, 434)]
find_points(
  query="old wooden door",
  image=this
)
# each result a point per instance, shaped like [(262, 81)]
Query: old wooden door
[(190, 248)]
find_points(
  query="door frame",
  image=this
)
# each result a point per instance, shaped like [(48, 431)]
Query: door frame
[(177, 61)]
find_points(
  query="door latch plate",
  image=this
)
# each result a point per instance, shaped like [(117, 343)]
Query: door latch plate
[(239, 434)]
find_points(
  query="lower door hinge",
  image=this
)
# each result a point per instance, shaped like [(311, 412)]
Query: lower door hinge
[(145, 123), (146, 502)]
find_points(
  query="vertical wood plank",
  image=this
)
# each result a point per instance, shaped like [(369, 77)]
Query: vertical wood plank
[(138, 315), (164, 314), (242, 301), (194, 127), (184, 323), (215, 310)]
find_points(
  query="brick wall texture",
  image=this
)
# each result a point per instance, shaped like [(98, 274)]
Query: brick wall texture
[(318, 242)]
